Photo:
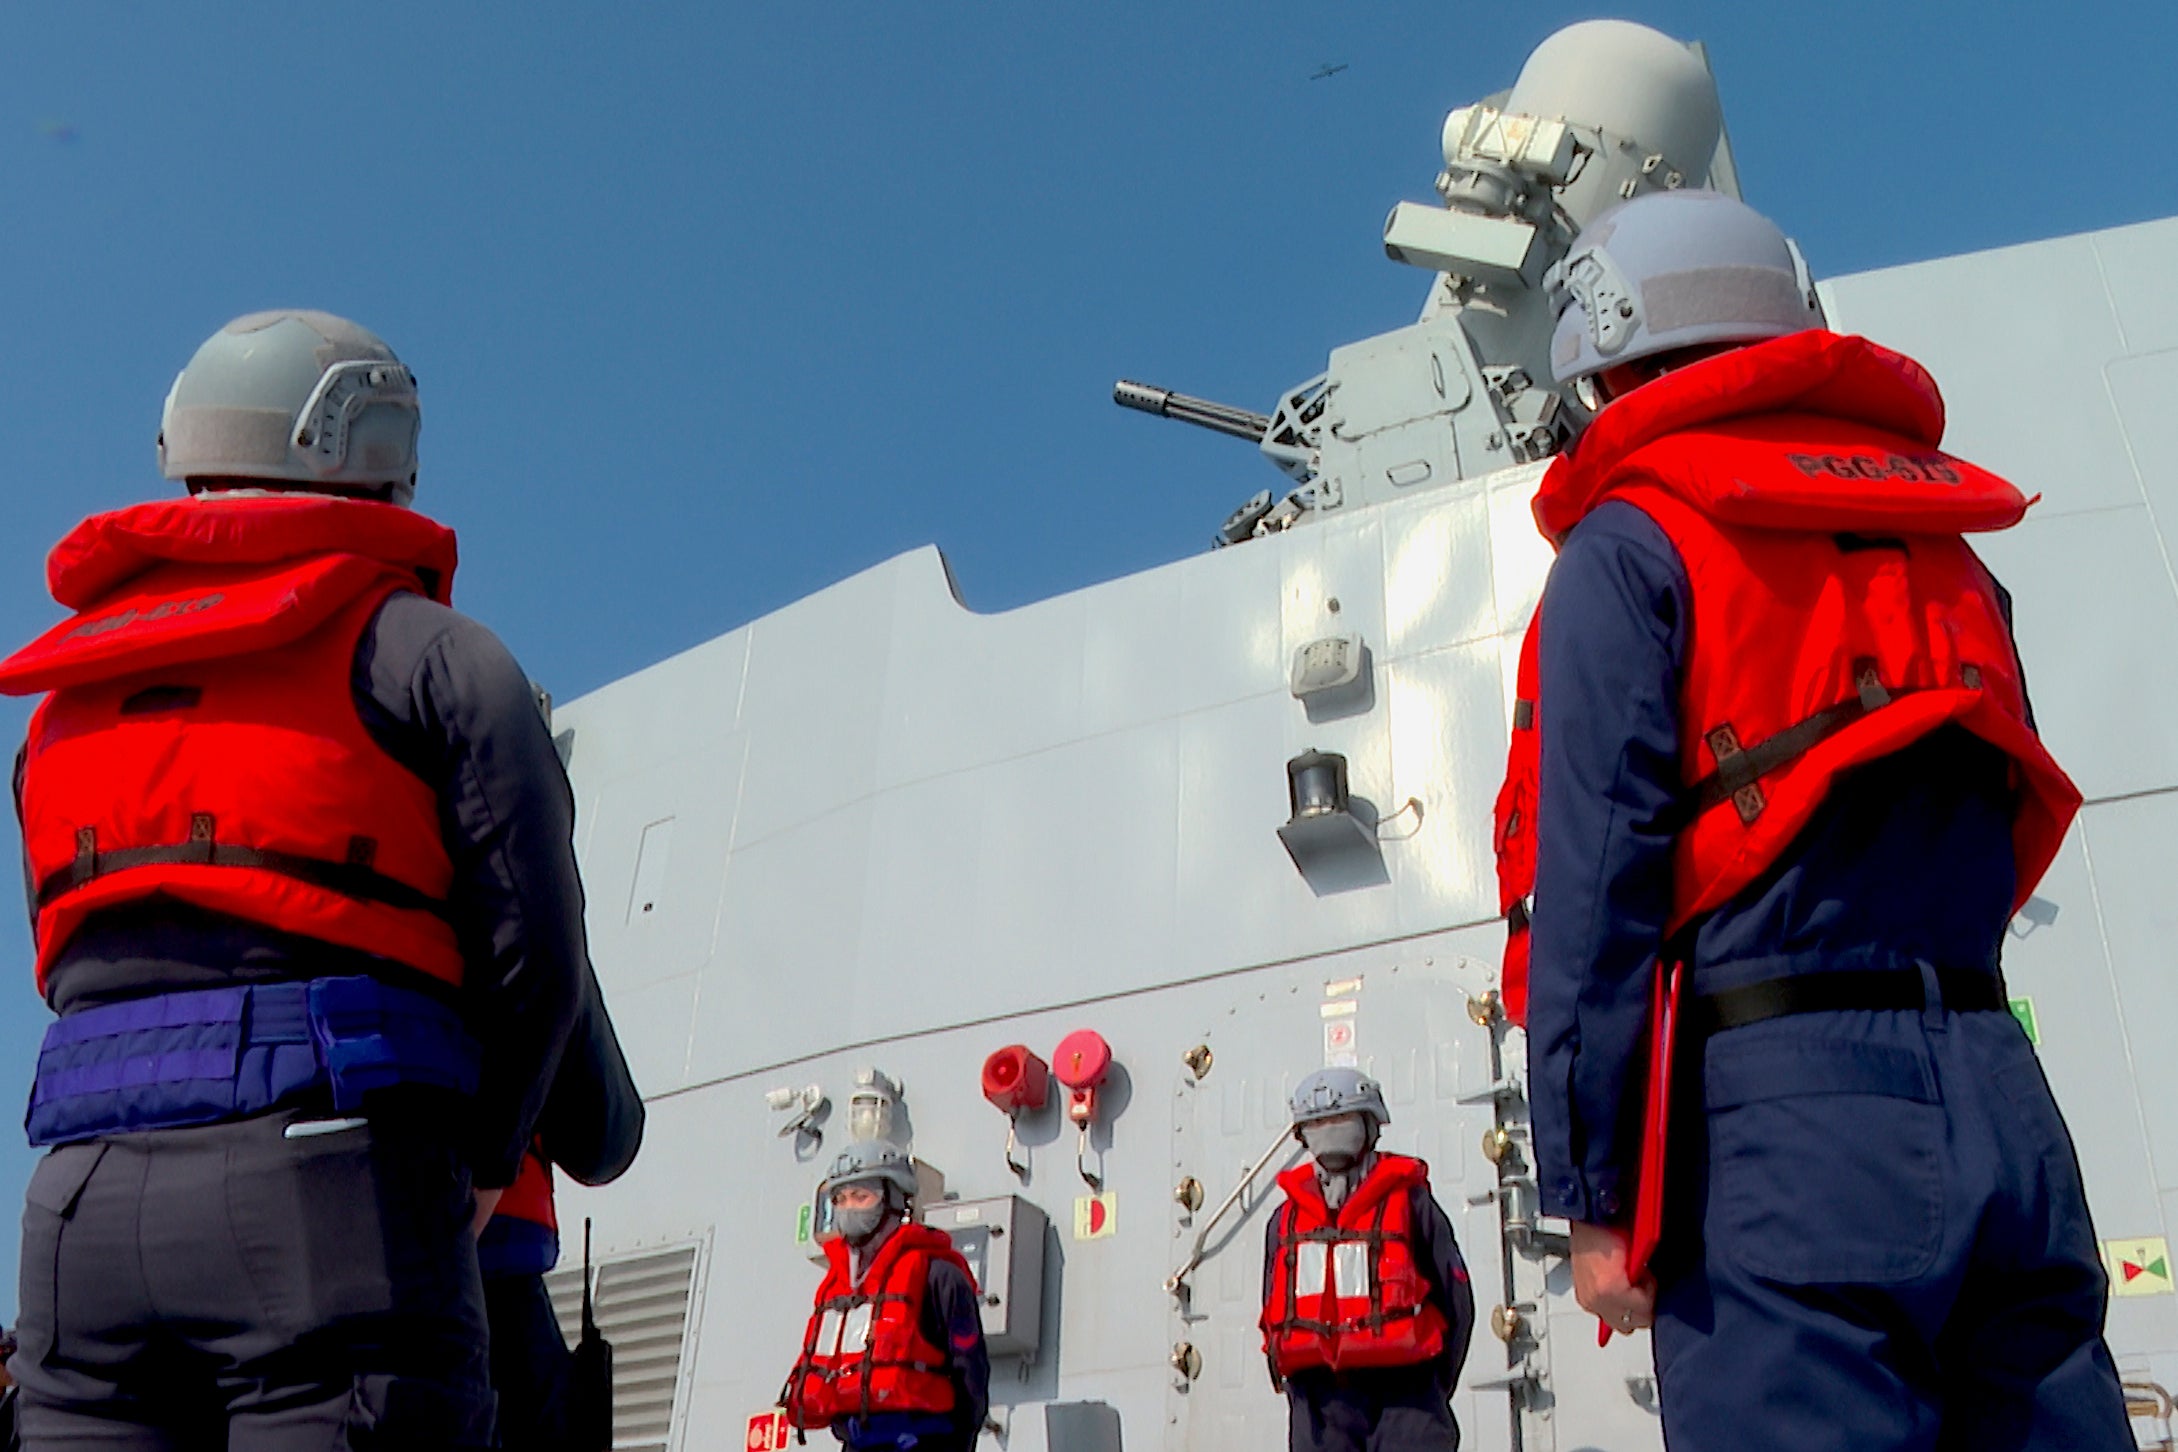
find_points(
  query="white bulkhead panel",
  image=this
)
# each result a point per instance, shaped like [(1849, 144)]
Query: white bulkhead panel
[(944, 816)]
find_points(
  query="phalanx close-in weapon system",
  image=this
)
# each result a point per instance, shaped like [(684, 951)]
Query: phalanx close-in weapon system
[(1602, 111)]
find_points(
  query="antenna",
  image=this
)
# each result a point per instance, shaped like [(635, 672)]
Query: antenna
[(591, 1395), (589, 1311)]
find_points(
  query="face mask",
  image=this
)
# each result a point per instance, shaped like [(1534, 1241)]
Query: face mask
[(1338, 1144), (857, 1226)]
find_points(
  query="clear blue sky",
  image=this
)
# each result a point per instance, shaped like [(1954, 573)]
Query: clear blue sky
[(713, 304)]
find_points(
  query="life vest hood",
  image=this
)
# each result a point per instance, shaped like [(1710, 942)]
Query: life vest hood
[(1388, 1175), (185, 580), (106, 551), (1860, 425)]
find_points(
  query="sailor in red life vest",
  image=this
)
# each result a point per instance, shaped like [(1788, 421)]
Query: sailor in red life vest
[(1367, 1309), (1785, 743), (299, 852), (591, 1128), (893, 1357)]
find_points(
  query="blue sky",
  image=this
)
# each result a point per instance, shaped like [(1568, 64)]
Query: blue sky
[(713, 304)]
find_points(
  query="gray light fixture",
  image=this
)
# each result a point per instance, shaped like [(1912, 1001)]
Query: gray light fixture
[(1323, 824)]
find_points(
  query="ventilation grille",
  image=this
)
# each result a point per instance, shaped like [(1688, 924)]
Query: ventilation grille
[(642, 1306)]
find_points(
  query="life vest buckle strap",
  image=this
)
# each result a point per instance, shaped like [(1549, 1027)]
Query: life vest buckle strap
[(1868, 681), (1740, 769), (348, 878)]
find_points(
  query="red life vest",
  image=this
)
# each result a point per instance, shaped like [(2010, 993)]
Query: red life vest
[(1345, 1289), (1837, 614), (530, 1196), (201, 741), (1513, 834), (864, 1350)]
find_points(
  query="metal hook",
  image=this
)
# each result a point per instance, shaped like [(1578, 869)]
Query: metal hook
[(1081, 1163), (1019, 1167)]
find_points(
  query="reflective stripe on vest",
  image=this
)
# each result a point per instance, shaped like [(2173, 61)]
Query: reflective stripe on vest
[(1346, 1290), (1314, 1258), (201, 740)]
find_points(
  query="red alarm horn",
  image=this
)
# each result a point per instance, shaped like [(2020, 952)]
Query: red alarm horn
[(1016, 1081)]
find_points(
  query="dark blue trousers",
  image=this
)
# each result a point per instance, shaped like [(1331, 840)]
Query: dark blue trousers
[(1389, 1409), (1894, 1252), (531, 1366), (228, 1286)]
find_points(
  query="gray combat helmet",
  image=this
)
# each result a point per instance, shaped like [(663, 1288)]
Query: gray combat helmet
[(1328, 1093), (299, 400), (869, 1160), (1675, 270)]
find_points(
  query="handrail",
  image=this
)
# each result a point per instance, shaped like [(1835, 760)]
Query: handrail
[(1178, 1279)]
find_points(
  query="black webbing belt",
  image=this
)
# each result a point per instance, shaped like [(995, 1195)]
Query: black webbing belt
[(350, 879), (1965, 990)]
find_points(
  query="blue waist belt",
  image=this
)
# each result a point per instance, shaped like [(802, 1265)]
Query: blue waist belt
[(511, 1246), (225, 1053)]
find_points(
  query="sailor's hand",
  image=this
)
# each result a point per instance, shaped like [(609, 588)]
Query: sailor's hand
[(1600, 1282), (487, 1202)]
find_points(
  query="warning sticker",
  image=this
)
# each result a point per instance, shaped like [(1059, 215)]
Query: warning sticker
[(2138, 1267), (1340, 1040), (1340, 1008), (1342, 988), (768, 1432), (2023, 1010), (1096, 1217), (802, 1225)]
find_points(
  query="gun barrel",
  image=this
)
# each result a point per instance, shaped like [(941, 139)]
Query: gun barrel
[(1221, 418)]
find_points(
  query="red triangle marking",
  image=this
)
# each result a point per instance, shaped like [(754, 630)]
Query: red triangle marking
[(2131, 1270)]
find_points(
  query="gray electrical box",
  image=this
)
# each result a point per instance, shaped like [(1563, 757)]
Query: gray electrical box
[(1002, 1239)]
